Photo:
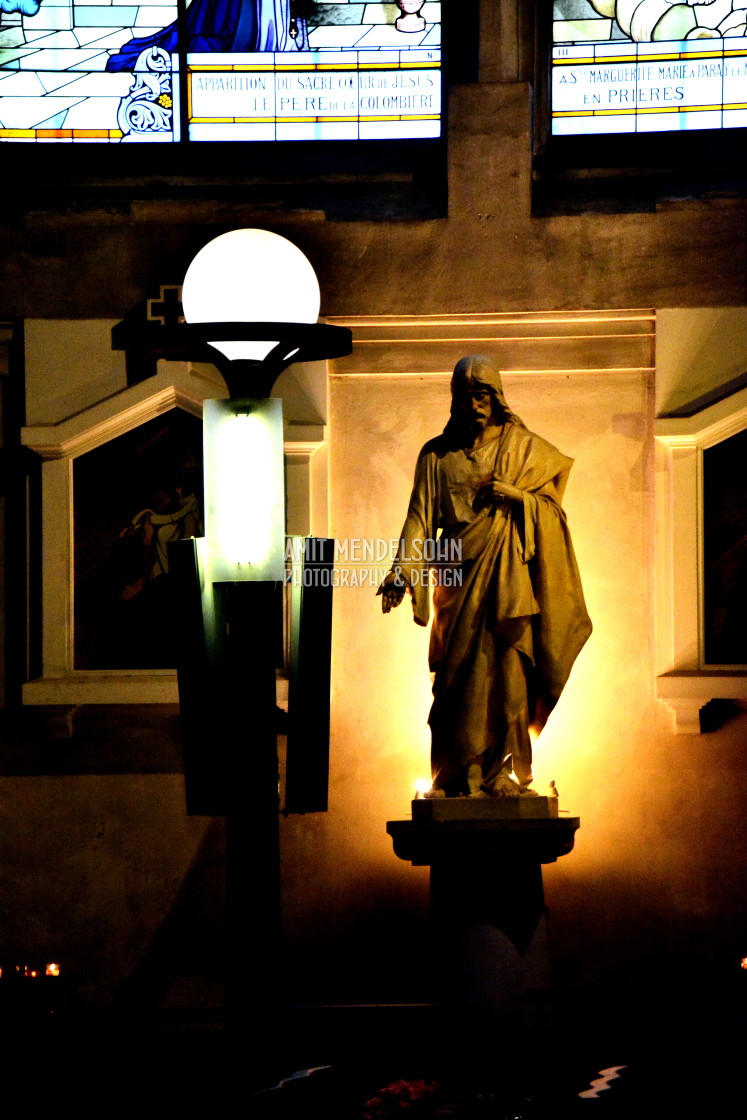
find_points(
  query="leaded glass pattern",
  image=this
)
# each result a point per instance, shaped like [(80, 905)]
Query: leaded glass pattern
[(81, 71), (648, 66)]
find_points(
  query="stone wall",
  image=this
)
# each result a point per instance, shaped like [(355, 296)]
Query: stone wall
[(489, 254)]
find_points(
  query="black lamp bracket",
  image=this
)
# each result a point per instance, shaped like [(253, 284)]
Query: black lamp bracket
[(296, 342)]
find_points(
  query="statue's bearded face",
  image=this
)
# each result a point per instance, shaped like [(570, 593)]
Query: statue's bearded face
[(476, 405)]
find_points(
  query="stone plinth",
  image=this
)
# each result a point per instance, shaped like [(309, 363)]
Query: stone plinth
[(487, 899), (434, 841), (484, 808)]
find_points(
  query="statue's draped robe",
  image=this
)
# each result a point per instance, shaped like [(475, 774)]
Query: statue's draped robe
[(503, 644)]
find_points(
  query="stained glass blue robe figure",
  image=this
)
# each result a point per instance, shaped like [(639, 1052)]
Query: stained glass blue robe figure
[(25, 7), (225, 26)]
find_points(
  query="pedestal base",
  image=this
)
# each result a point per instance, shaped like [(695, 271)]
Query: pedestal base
[(485, 808), (489, 970), (427, 842), (487, 901)]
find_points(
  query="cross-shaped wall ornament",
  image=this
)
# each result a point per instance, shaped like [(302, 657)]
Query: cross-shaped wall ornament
[(167, 309)]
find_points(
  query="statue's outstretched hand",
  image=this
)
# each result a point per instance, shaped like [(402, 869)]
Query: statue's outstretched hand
[(392, 591)]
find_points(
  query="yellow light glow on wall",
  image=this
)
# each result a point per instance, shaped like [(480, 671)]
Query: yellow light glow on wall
[(244, 490)]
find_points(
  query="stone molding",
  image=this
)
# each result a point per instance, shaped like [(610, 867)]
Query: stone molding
[(574, 342), (685, 683)]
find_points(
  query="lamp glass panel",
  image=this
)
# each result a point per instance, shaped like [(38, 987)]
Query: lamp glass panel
[(244, 490)]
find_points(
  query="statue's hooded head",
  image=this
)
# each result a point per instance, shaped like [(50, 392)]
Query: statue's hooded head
[(470, 372)]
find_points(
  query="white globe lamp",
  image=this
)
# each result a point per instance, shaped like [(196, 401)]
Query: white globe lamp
[(250, 276)]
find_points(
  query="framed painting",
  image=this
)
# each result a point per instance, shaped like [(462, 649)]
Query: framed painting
[(131, 497)]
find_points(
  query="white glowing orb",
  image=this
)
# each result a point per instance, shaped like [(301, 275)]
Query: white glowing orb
[(250, 276)]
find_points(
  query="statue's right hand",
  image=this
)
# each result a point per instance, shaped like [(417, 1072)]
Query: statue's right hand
[(392, 591)]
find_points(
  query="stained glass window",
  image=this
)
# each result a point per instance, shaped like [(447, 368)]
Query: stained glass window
[(114, 71), (648, 65)]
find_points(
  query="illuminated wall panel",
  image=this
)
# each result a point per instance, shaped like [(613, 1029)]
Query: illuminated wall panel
[(315, 95), (648, 67)]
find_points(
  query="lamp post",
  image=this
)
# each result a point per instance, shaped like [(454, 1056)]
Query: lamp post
[(251, 300)]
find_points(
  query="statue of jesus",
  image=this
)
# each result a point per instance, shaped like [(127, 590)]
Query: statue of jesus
[(510, 622)]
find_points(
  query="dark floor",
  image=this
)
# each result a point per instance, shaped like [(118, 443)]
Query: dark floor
[(431, 1061), (477, 1066)]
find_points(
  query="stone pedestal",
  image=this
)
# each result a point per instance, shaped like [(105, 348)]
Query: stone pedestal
[(487, 899), (484, 808)]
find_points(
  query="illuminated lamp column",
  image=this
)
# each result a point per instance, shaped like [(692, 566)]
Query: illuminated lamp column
[(251, 301), (244, 490), (242, 565)]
